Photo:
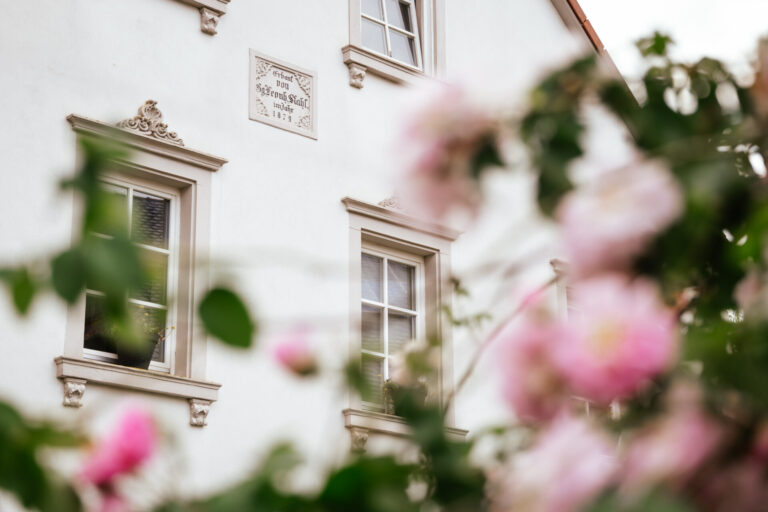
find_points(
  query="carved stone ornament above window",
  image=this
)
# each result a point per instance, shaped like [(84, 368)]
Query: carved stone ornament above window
[(391, 202), (149, 122), (211, 12)]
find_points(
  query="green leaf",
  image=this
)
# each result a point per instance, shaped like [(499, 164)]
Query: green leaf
[(487, 155), (375, 484), (225, 317), (22, 474), (68, 274), (21, 286), (657, 44)]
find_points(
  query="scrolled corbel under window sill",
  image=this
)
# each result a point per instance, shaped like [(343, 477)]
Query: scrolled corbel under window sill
[(75, 374), (211, 12)]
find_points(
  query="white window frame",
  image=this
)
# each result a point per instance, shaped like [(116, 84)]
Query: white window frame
[(429, 32), (419, 331), (388, 26), (165, 192), (392, 232), (162, 164)]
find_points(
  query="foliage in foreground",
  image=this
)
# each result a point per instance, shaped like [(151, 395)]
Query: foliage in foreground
[(667, 340)]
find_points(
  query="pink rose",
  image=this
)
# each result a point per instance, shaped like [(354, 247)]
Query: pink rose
[(440, 145), (531, 383), (124, 450), (760, 87), (750, 294), (621, 336), (669, 451), (568, 466), (608, 222), (113, 503), (292, 350)]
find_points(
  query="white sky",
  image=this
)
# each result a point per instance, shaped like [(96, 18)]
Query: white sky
[(724, 29)]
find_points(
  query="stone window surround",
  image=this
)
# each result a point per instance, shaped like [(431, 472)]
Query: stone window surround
[(388, 227), (431, 26), (159, 156)]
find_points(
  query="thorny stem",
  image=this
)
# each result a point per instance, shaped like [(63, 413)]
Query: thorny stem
[(487, 342)]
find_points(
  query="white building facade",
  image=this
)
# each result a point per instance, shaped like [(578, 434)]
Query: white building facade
[(301, 102)]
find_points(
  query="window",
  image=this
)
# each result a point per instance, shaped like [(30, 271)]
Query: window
[(399, 40), (399, 279), (388, 27), (164, 189), (392, 313), (152, 214)]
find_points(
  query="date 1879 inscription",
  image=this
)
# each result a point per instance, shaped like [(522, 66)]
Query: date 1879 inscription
[(282, 95)]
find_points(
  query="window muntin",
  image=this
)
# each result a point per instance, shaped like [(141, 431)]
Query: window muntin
[(152, 217), (392, 313), (389, 27)]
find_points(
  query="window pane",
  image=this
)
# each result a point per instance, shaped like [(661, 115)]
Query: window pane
[(373, 373), (371, 329), (150, 220), (373, 36), (372, 8), (400, 331), (96, 336), (400, 285), (151, 323), (399, 14), (402, 47), (372, 277), (155, 288)]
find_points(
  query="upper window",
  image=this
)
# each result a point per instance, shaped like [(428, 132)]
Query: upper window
[(389, 27), (151, 210), (399, 40), (392, 313)]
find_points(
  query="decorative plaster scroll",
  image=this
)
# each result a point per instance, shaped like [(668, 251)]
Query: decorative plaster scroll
[(359, 438), (198, 412), (356, 75), (209, 20), (149, 122), (391, 202), (74, 389)]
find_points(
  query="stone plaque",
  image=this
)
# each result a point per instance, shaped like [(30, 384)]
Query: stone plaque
[(282, 95)]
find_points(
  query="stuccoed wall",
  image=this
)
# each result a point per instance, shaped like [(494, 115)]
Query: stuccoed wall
[(276, 204)]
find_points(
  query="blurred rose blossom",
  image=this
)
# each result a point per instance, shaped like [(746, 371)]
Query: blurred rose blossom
[(440, 144), (669, 451), (531, 384), (113, 503), (751, 294), (609, 221), (568, 466), (760, 87), (620, 336), (293, 350), (124, 450)]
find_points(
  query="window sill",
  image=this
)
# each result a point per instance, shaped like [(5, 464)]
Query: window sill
[(361, 423), (76, 373), (361, 61)]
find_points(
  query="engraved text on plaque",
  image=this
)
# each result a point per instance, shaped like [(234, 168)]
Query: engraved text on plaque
[(282, 95)]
